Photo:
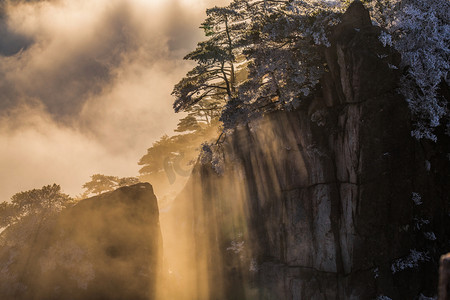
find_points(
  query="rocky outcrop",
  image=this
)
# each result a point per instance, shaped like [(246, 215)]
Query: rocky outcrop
[(104, 247), (333, 201), (444, 277)]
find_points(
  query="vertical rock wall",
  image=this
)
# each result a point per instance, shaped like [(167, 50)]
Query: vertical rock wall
[(339, 201)]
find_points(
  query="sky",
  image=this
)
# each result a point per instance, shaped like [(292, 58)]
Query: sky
[(85, 85)]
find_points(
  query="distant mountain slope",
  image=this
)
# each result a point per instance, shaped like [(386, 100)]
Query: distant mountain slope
[(105, 247)]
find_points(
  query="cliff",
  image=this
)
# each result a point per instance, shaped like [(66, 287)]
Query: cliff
[(335, 200), (104, 247)]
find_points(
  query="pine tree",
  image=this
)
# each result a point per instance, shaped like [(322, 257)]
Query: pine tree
[(43, 202), (280, 45), (214, 77), (285, 61)]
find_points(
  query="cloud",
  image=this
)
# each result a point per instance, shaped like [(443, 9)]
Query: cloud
[(77, 52), (85, 85)]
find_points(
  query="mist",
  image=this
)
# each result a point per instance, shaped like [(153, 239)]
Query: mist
[(85, 85)]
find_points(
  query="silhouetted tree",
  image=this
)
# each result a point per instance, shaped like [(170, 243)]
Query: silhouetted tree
[(47, 200), (215, 73), (172, 156), (102, 183), (8, 214), (124, 181)]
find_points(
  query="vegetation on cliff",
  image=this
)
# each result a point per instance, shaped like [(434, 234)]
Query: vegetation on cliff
[(325, 199), (104, 247), (261, 56), (41, 202), (278, 45)]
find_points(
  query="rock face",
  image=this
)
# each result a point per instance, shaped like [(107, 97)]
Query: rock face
[(333, 201), (105, 247)]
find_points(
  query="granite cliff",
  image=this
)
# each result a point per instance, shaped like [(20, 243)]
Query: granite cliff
[(334, 200)]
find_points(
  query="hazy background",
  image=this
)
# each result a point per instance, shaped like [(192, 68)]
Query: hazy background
[(85, 85)]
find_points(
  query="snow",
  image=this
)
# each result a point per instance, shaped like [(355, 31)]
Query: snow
[(419, 223), (236, 246), (410, 262), (385, 38), (382, 297), (416, 198), (423, 297), (430, 236)]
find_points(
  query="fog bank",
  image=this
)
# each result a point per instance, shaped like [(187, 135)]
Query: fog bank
[(85, 85)]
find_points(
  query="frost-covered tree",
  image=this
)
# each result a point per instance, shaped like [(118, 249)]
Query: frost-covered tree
[(283, 40), (285, 61), (420, 31)]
